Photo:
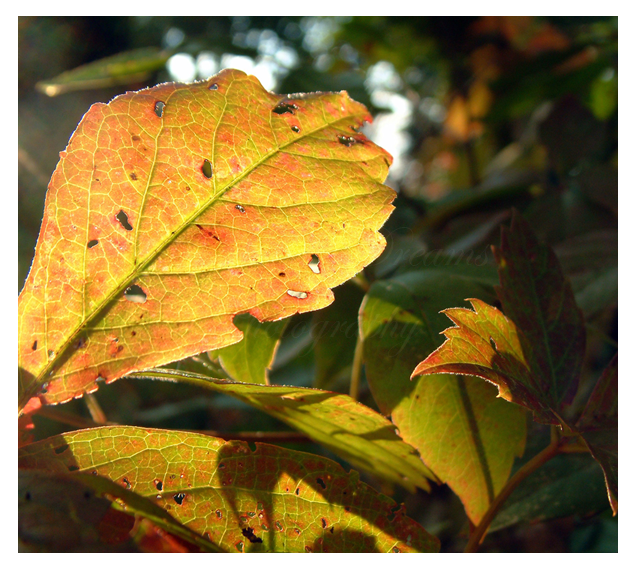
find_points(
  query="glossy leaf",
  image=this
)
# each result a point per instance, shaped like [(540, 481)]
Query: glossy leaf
[(249, 359), (599, 427), (348, 428), (465, 435), (121, 69), (177, 207), (270, 499)]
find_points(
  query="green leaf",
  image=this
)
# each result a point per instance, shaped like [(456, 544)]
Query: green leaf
[(350, 429), (124, 68), (249, 359), (335, 330), (465, 435), (270, 499), (599, 427)]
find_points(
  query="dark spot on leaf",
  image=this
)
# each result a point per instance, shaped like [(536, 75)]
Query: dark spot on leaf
[(207, 170), (321, 482), (127, 483), (179, 497), (61, 449), (296, 129), (297, 491), (135, 138), (81, 343), (221, 466), (122, 218), (133, 176), (324, 523), (278, 526), (73, 468), (158, 484), (87, 495), (27, 496), (285, 107), (213, 86), (92, 243), (249, 533), (34, 346), (133, 333), (218, 513), (332, 530), (95, 472), (135, 294), (297, 531), (240, 208), (282, 274), (345, 140), (159, 106)]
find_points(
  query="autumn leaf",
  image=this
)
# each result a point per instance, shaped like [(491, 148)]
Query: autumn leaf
[(533, 350), (270, 499), (350, 429), (464, 434), (175, 208)]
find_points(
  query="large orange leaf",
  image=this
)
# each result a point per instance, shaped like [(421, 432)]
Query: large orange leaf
[(177, 207)]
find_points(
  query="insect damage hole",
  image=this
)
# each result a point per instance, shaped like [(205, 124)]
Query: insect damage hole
[(207, 170), (93, 243), (122, 218), (135, 294), (295, 294), (159, 106), (285, 107), (314, 264)]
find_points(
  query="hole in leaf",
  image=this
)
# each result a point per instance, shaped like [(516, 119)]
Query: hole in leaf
[(345, 140), (127, 483), (92, 243), (213, 86), (99, 378), (122, 218), (73, 468), (314, 264), (51, 354), (296, 129), (321, 482), (295, 294), (285, 107), (179, 497), (135, 294), (34, 346), (218, 513), (240, 208), (324, 523), (159, 106), (207, 170), (492, 343), (158, 484), (59, 450)]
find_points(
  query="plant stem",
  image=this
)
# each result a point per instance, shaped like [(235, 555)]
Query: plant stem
[(97, 414), (537, 461), (357, 365)]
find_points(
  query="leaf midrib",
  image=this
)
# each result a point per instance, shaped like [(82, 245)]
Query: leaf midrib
[(163, 245)]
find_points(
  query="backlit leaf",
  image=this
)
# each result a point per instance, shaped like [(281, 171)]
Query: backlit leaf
[(465, 435), (352, 430), (532, 351), (177, 207), (121, 69), (270, 499), (249, 359)]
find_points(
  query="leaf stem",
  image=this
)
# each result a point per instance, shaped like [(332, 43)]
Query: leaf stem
[(97, 414), (357, 365), (536, 462)]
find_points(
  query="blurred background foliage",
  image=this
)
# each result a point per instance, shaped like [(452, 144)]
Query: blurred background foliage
[(481, 114)]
